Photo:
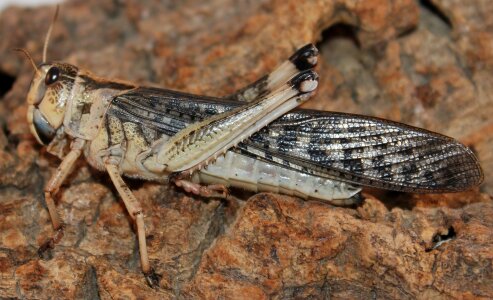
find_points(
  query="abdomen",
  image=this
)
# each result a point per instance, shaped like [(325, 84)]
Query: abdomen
[(241, 171)]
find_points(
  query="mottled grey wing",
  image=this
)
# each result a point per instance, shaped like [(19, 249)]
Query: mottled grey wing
[(358, 149), (368, 151)]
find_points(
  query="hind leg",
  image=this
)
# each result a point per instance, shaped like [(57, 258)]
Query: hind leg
[(303, 59)]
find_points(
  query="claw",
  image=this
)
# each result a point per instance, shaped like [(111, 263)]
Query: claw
[(50, 243), (42, 250), (152, 279), (214, 190)]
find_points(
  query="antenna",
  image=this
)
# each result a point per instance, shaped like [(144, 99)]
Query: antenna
[(29, 57), (48, 34)]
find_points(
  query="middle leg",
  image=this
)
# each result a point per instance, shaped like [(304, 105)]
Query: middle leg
[(135, 211)]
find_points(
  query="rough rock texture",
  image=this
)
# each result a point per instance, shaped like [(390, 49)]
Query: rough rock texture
[(427, 63)]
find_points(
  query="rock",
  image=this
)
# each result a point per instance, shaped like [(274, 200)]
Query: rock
[(281, 247), (427, 63)]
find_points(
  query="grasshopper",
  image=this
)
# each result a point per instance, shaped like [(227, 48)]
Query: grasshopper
[(254, 139)]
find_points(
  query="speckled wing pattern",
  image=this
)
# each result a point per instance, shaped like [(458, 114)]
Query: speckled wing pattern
[(358, 149)]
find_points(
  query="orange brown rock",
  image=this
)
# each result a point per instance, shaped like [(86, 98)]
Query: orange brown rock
[(427, 63)]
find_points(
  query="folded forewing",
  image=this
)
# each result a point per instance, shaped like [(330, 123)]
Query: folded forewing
[(369, 151)]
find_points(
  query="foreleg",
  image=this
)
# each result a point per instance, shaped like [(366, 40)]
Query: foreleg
[(51, 189)]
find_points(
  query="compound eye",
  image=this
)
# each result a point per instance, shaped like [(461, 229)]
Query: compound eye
[(52, 75)]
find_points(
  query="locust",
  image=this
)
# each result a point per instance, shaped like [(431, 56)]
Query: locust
[(256, 139)]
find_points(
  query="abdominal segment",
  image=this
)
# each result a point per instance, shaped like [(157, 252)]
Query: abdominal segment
[(238, 170)]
